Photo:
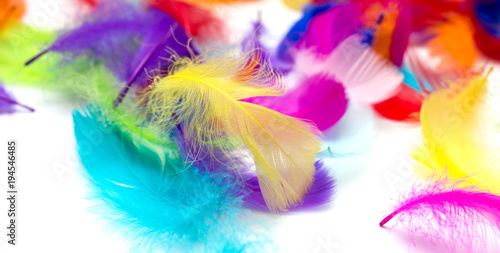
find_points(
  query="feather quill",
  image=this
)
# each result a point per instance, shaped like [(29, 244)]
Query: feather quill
[(164, 40), (462, 218), (205, 94), (18, 43), (162, 205), (111, 34), (7, 102)]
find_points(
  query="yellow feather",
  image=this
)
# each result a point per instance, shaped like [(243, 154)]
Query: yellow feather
[(457, 130), (296, 4), (205, 95)]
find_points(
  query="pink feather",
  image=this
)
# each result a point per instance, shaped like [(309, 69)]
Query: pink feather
[(460, 217), (367, 77)]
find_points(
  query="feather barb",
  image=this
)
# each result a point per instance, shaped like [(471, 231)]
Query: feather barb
[(205, 95)]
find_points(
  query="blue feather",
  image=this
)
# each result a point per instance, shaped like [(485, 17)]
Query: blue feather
[(298, 29), (158, 202), (488, 15)]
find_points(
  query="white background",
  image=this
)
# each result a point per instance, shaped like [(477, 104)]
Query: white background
[(52, 213)]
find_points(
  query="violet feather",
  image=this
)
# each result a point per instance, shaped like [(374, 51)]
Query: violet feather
[(261, 55), (298, 30), (165, 39), (457, 216), (321, 191), (5, 105), (329, 28), (8, 103), (111, 34)]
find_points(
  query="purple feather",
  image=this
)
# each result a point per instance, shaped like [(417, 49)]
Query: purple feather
[(320, 193), (327, 29), (286, 46), (252, 44), (111, 34), (456, 216), (318, 98), (7, 102), (5, 105), (164, 40)]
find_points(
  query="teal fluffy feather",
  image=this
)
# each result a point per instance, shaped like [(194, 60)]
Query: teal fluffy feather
[(161, 204)]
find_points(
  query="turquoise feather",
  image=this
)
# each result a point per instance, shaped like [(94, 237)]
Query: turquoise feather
[(161, 204)]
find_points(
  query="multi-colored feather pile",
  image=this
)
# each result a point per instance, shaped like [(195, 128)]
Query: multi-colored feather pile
[(156, 199), (207, 91), (190, 139)]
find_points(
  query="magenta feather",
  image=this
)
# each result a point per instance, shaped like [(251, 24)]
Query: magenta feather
[(335, 43), (327, 29), (283, 53), (367, 77), (456, 216), (318, 98)]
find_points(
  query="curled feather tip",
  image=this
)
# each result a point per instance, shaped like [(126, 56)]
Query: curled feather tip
[(460, 217)]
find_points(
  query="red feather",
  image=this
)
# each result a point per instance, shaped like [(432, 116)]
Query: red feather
[(91, 3), (403, 106), (197, 21)]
